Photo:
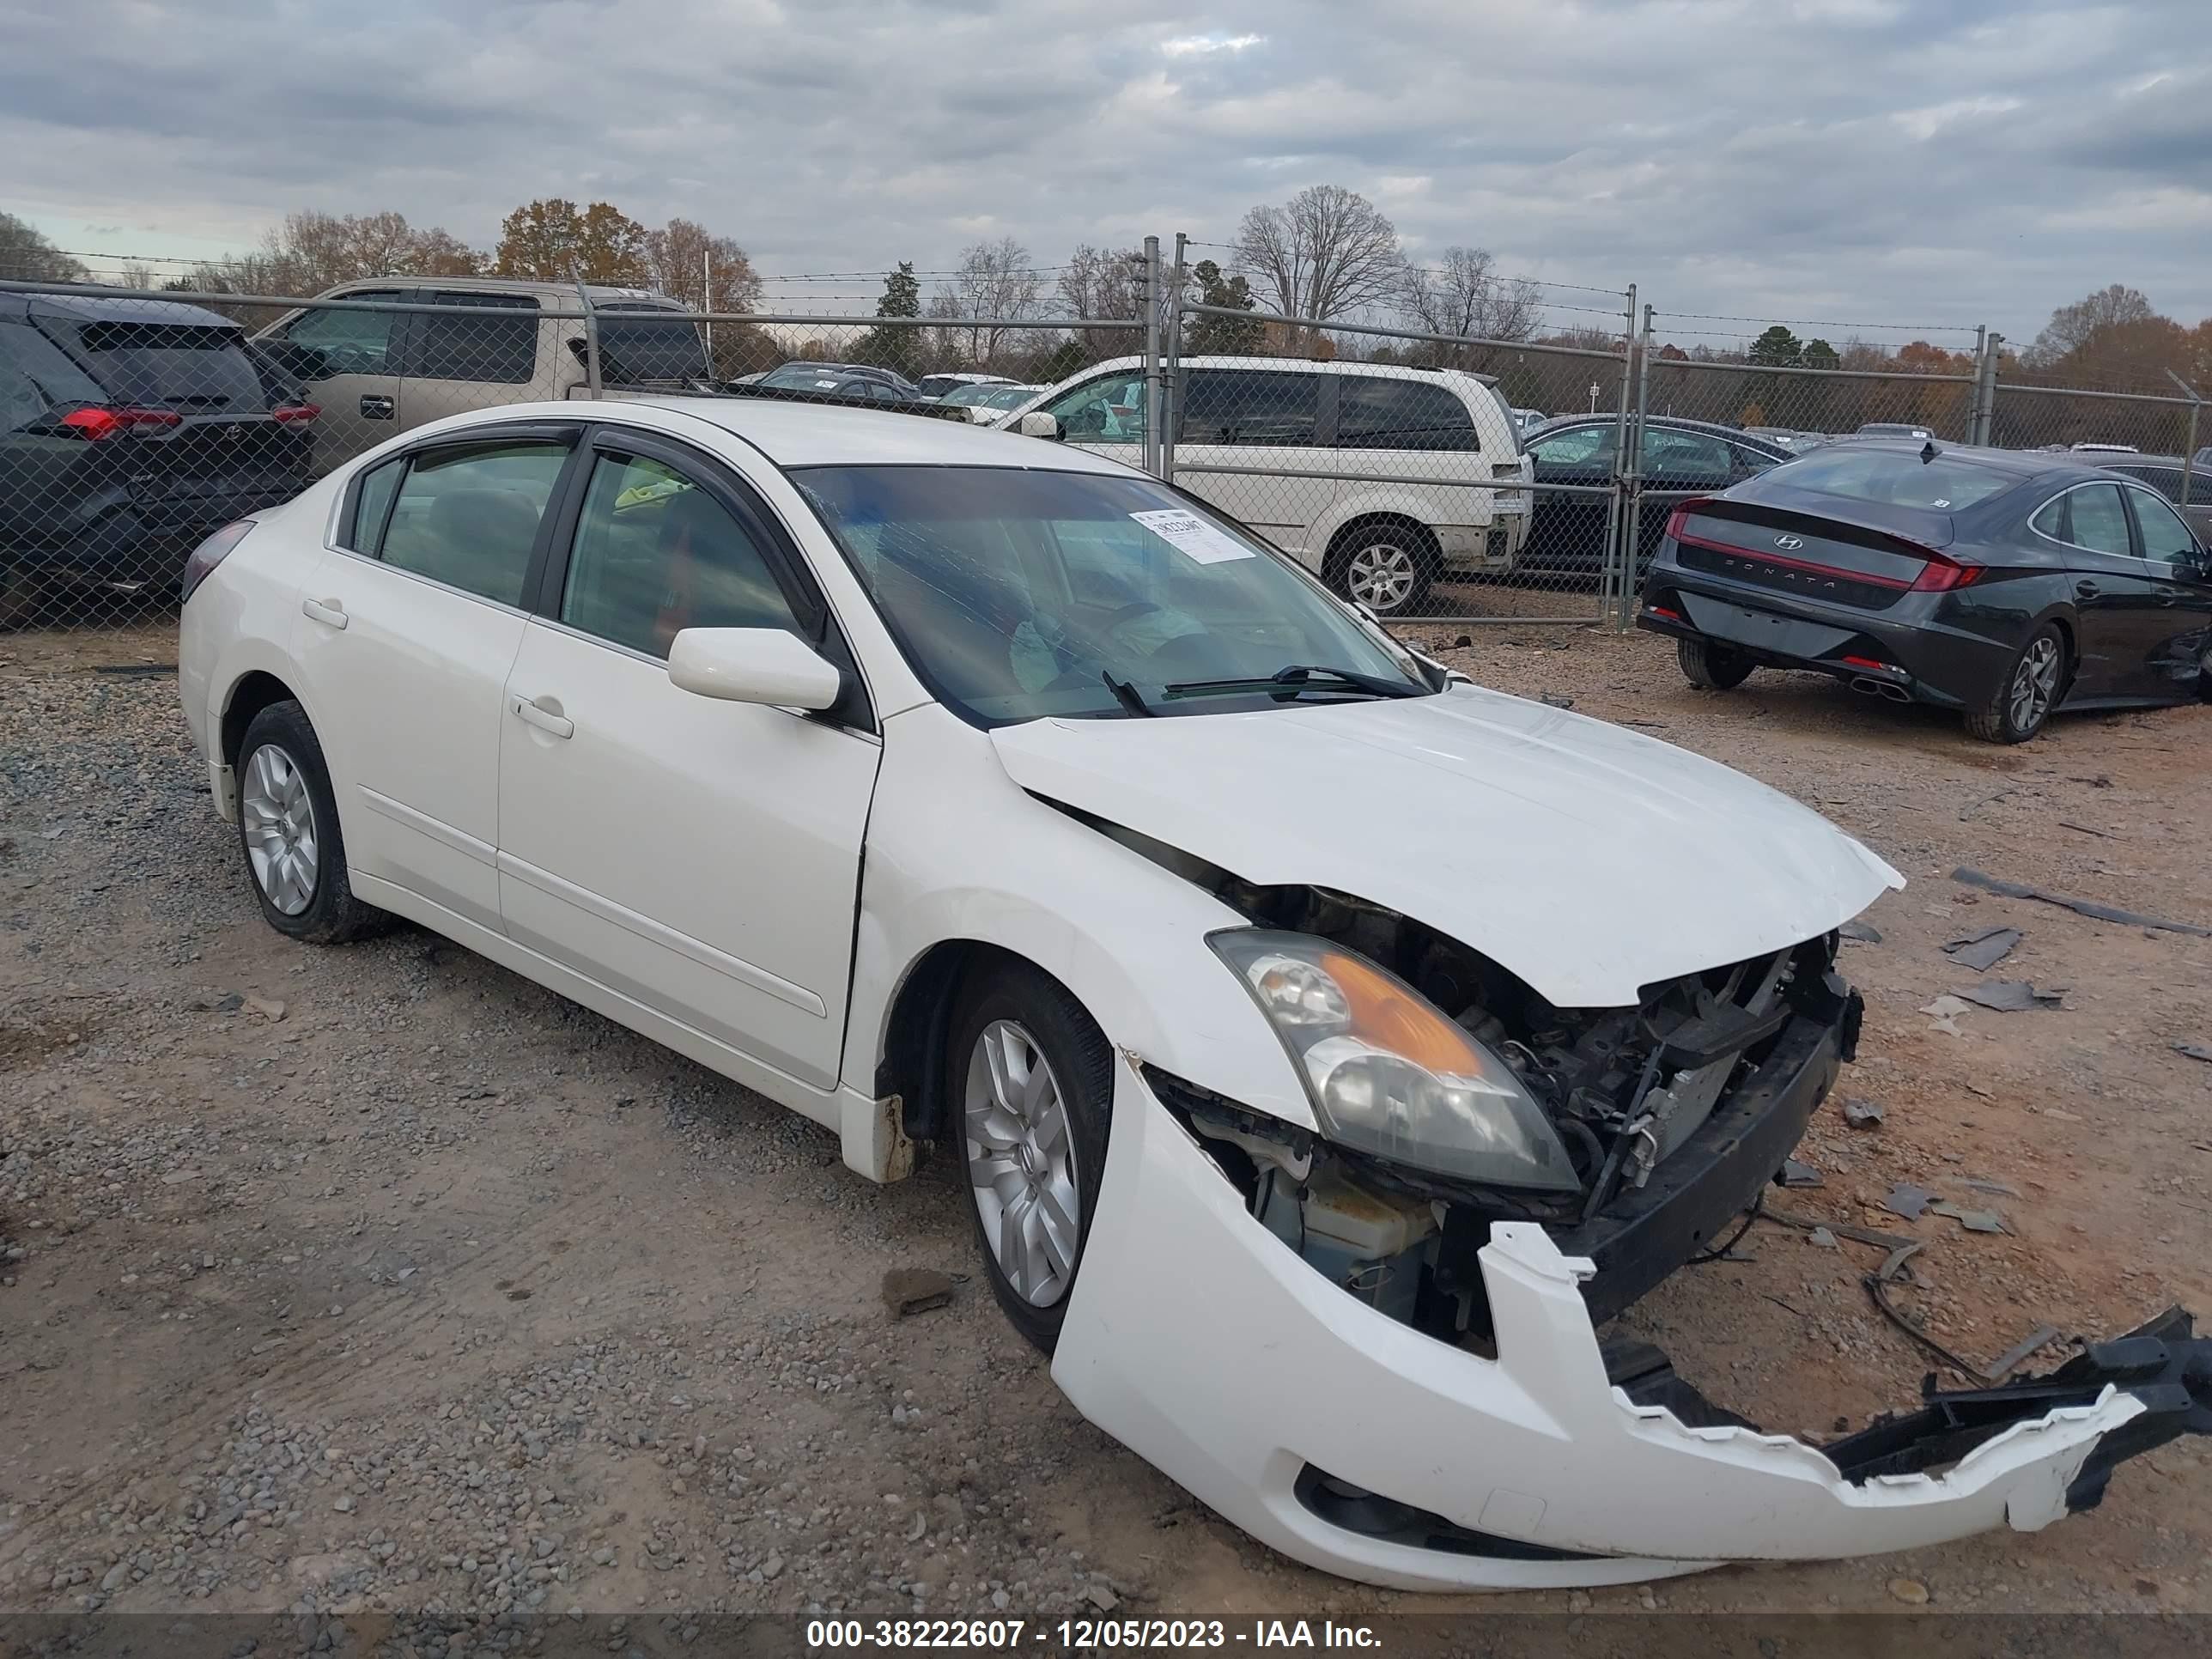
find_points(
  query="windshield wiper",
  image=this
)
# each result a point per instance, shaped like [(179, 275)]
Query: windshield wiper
[(1128, 695), (1301, 676)]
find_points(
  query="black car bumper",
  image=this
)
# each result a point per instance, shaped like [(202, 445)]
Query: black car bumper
[(1915, 650), (1718, 1174)]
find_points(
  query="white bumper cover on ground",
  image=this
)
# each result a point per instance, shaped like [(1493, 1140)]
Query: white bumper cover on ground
[(1202, 1342)]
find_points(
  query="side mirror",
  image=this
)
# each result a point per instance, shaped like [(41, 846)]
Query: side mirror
[(1038, 424), (753, 665)]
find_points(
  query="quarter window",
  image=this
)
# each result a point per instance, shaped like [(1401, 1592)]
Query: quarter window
[(2098, 520), (656, 554), (469, 518), (372, 505), (1374, 413), (2163, 536), (500, 346), (1247, 406)]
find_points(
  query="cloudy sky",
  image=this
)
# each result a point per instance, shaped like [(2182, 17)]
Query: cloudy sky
[(1916, 163)]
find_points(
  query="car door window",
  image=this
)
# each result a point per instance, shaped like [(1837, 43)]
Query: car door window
[(1244, 406), (2164, 538), (1374, 413), (1671, 453), (1745, 462), (1577, 446), (655, 554), (499, 345), (1107, 411), (350, 342), (2098, 520), (363, 531), (468, 517)]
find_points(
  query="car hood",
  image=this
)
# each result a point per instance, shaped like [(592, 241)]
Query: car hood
[(1585, 858)]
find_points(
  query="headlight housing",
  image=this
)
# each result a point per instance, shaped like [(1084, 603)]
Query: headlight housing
[(1390, 1075)]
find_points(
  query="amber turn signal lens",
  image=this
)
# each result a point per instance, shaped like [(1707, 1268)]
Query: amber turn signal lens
[(1385, 1014)]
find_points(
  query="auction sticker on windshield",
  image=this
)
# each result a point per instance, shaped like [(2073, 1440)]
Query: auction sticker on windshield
[(1192, 535)]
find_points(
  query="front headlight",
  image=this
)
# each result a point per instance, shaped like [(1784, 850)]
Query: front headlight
[(1390, 1075)]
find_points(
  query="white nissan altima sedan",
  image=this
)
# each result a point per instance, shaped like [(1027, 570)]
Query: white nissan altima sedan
[(1331, 1045)]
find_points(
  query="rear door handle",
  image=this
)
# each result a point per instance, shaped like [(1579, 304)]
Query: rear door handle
[(329, 612), (544, 719), (377, 409)]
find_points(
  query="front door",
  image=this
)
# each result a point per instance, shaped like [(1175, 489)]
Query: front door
[(2121, 619), (346, 360), (2181, 584), (700, 857), (404, 646)]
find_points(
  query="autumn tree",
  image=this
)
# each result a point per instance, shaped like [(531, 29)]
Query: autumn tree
[(688, 263), (25, 255), (2072, 327), (1327, 253), (551, 241)]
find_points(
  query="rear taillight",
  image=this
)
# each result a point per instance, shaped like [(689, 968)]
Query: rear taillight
[(1678, 521), (93, 424), (1941, 574), (296, 413), (209, 553)]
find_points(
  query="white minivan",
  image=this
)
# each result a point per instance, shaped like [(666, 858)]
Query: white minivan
[(1381, 478)]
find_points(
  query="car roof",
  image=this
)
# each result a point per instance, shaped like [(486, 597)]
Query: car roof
[(1310, 365), (91, 308), (506, 285), (1671, 423), (817, 434)]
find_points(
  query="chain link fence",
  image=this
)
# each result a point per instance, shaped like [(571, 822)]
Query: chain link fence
[(1431, 476)]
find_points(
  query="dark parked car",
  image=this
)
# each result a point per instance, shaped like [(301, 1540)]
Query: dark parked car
[(844, 380), (2163, 474), (129, 429), (2001, 583), (1568, 531)]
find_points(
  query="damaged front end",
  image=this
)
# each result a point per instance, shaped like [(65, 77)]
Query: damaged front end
[(1389, 1366)]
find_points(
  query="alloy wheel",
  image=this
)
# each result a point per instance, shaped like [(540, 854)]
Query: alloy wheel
[(1381, 577), (2035, 683), (1021, 1161), (279, 817)]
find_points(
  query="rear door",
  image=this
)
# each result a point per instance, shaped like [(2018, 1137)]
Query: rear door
[(2121, 619), (1568, 529), (347, 362), (451, 362), (1259, 420), (1675, 464)]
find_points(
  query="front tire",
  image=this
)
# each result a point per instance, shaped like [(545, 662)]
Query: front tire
[(1032, 1076), (1386, 570), (1712, 667), (289, 834), (2028, 692)]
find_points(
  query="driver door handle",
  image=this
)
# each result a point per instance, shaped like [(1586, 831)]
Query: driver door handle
[(2086, 590), (374, 408), (544, 719), (329, 612)]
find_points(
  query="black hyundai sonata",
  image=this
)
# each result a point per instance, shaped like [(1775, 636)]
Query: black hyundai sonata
[(2001, 583)]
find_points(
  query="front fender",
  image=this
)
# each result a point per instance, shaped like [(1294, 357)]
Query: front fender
[(957, 851)]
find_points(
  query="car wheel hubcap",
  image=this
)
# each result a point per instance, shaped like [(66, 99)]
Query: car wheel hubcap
[(1382, 577), (1021, 1161), (2035, 683), (279, 816)]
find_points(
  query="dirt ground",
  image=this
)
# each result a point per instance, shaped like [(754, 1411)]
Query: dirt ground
[(380, 1279)]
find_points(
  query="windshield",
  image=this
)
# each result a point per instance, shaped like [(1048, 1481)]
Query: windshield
[(1897, 477), (808, 377), (969, 394), (1015, 595), (1011, 396), (638, 347)]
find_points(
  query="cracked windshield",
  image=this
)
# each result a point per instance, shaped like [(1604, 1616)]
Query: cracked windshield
[(1017, 594)]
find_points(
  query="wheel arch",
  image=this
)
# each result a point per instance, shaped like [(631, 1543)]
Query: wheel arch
[(1365, 519), (256, 690), (909, 1063)]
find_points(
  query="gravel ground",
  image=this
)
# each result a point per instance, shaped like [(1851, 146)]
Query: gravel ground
[(380, 1279)]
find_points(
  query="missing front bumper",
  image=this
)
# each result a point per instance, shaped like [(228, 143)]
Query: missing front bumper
[(1203, 1343)]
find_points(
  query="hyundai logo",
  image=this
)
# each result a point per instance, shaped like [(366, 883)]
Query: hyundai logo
[(1790, 543)]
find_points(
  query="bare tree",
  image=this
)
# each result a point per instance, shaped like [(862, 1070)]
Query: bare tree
[(688, 262), (1327, 253), (2073, 326), (1108, 284), (1464, 295), (27, 256), (311, 252), (994, 282)]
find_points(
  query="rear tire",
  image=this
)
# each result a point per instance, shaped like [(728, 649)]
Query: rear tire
[(1712, 667), (289, 834), (1034, 1156), (2031, 687), (1388, 569)]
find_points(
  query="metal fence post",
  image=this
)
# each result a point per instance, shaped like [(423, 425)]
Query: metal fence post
[(591, 338), (1152, 355), (1171, 368), (2188, 441), (1611, 603), (1977, 407), (1634, 512)]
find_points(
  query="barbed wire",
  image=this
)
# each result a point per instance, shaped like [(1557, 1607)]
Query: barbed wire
[(1818, 322)]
